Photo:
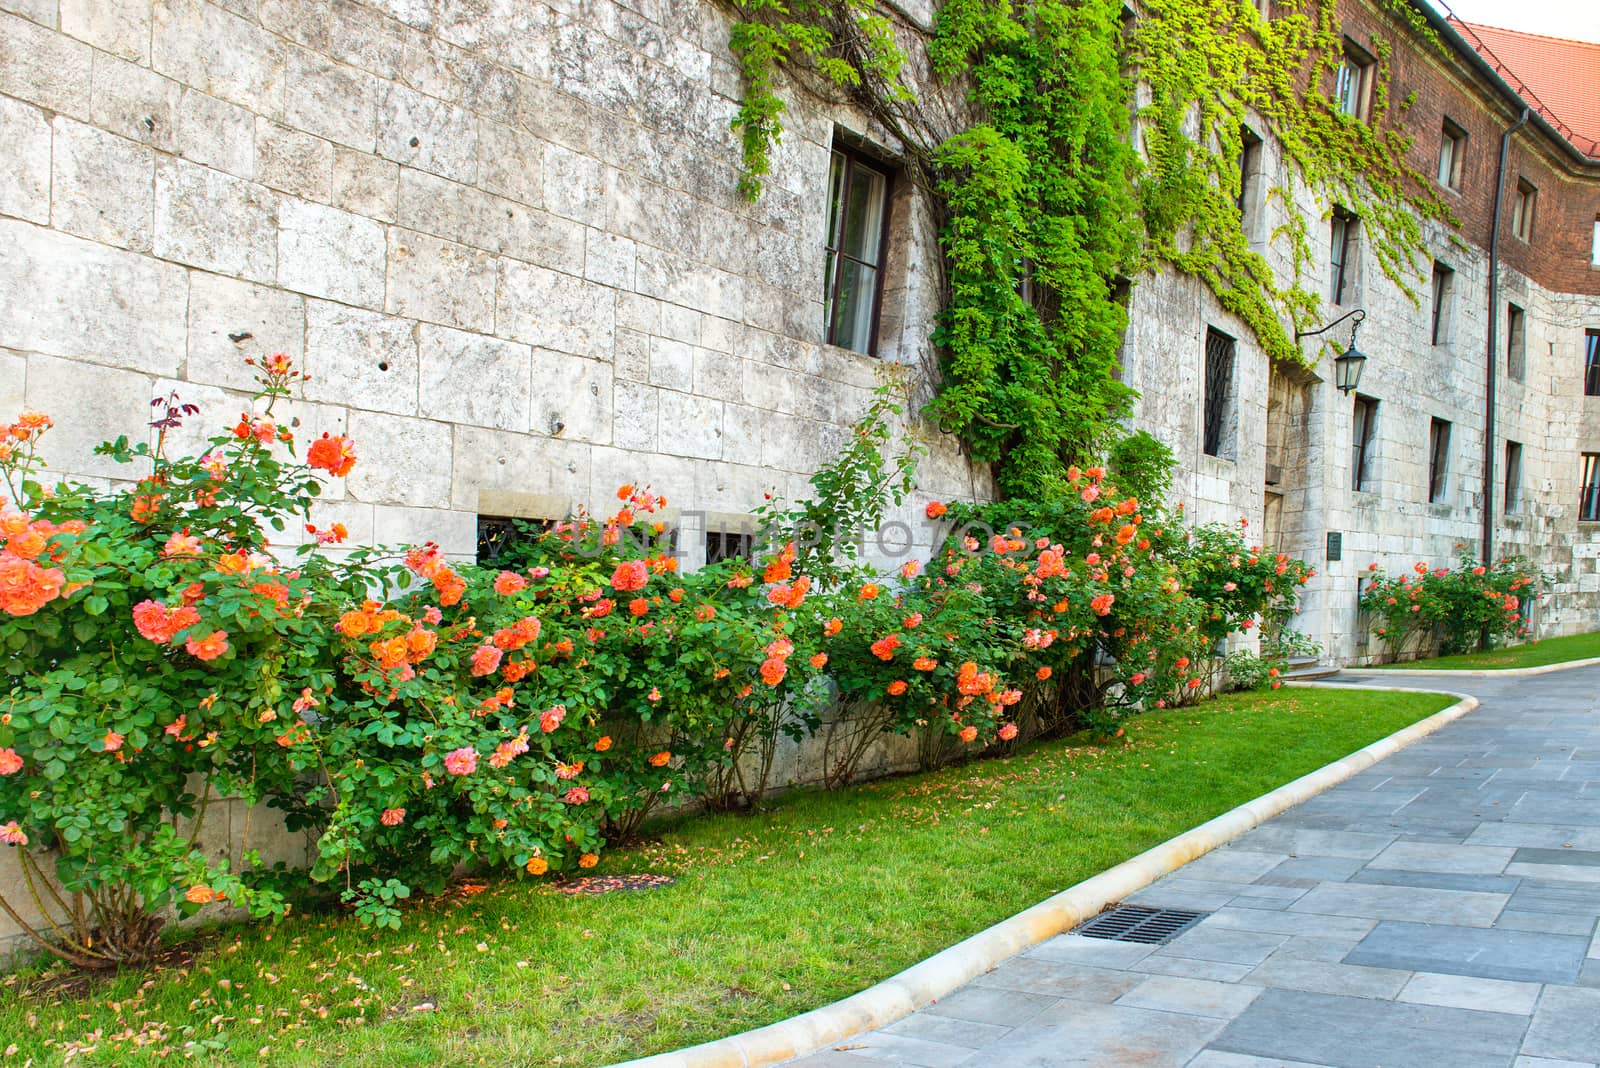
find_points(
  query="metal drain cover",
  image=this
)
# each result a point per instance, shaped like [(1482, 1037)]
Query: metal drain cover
[(1136, 923)]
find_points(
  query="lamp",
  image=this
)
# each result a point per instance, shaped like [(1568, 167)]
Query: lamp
[(1348, 364)]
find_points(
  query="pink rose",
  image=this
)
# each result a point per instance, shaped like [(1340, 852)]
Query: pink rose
[(577, 795), (463, 761)]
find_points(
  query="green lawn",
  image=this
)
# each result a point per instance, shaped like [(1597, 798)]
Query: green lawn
[(772, 915), (1532, 654)]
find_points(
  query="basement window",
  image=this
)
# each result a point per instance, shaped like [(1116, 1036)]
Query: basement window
[(502, 537), (729, 545)]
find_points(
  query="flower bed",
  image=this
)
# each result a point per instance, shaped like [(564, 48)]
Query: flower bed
[(418, 716)]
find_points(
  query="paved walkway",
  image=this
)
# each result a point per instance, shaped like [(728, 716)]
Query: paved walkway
[(1438, 910)]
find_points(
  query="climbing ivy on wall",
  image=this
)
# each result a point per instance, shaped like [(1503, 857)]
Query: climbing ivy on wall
[(1089, 149)]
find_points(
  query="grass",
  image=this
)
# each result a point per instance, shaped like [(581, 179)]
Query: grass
[(1531, 654), (771, 915)]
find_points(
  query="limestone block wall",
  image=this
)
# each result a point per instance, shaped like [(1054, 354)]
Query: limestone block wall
[(503, 239)]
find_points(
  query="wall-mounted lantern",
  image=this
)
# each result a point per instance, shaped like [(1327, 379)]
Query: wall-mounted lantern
[(1348, 364)]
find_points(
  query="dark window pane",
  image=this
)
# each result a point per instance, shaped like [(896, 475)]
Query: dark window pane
[(852, 308), (1591, 363), (863, 226), (1589, 508), (1438, 459), (1366, 411), (1219, 377), (1513, 488)]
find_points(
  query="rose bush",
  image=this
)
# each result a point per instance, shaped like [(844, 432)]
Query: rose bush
[(419, 716), (1438, 611)]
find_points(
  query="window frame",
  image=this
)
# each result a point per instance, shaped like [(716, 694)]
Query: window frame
[(1511, 484), (854, 158), (1594, 250), (1453, 138), (1591, 363), (1363, 419), (1219, 359), (1344, 241), (1589, 488), (1524, 209), (1438, 460), (1516, 342), (1443, 292), (1359, 63)]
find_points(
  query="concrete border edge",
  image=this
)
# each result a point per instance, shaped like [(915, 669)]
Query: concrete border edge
[(904, 993), (1480, 673)]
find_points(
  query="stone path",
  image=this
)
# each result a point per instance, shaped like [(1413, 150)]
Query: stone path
[(1438, 910)]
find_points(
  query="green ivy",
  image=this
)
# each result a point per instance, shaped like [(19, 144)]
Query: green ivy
[(1044, 201)]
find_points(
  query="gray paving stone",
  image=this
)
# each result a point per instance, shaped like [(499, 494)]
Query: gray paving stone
[(832, 1059), (1308, 871), (1323, 977), (1194, 969), (1567, 873), (1548, 835), (1222, 944), (1566, 1025), (1098, 951), (1454, 859), (1312, 842), (1350, 1032), (1331, 950), (1215, 1058), (1495, 953), (1492, 884), (1543, 1062), (1232, 864), (1195, 997), (1567, 899), (1291, 923), (1465, 908), (1061, 980), (879, 1047), (1102, 1036), (932, 1027), (991, 1005), (1548, 922), (1471, 992)]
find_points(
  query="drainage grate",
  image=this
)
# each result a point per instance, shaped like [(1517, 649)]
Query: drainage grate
[(1135, 923)]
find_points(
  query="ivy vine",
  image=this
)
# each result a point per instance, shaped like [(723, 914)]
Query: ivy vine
[(1092, 147)]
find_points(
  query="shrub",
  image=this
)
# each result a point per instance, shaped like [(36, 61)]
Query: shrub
[(1462, 606), (150, 645)]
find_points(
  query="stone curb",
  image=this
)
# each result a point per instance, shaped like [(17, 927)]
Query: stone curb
[(902, 994), (1482, 673)]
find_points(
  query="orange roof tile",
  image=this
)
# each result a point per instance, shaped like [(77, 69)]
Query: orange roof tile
[(1558, 77)]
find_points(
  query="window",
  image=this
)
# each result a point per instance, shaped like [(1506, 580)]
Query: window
[(1249, 165), (858, 218), (1594, 252), (1350, 82), (1438, 460), (1443, 284), (729, 545), (502, 535), (1513, 491), (1522, 209), (1515, 343), (1589, 506), (1342, 233), (1366, 418), (1219, 389), (1452, 146), (1591, 363)]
